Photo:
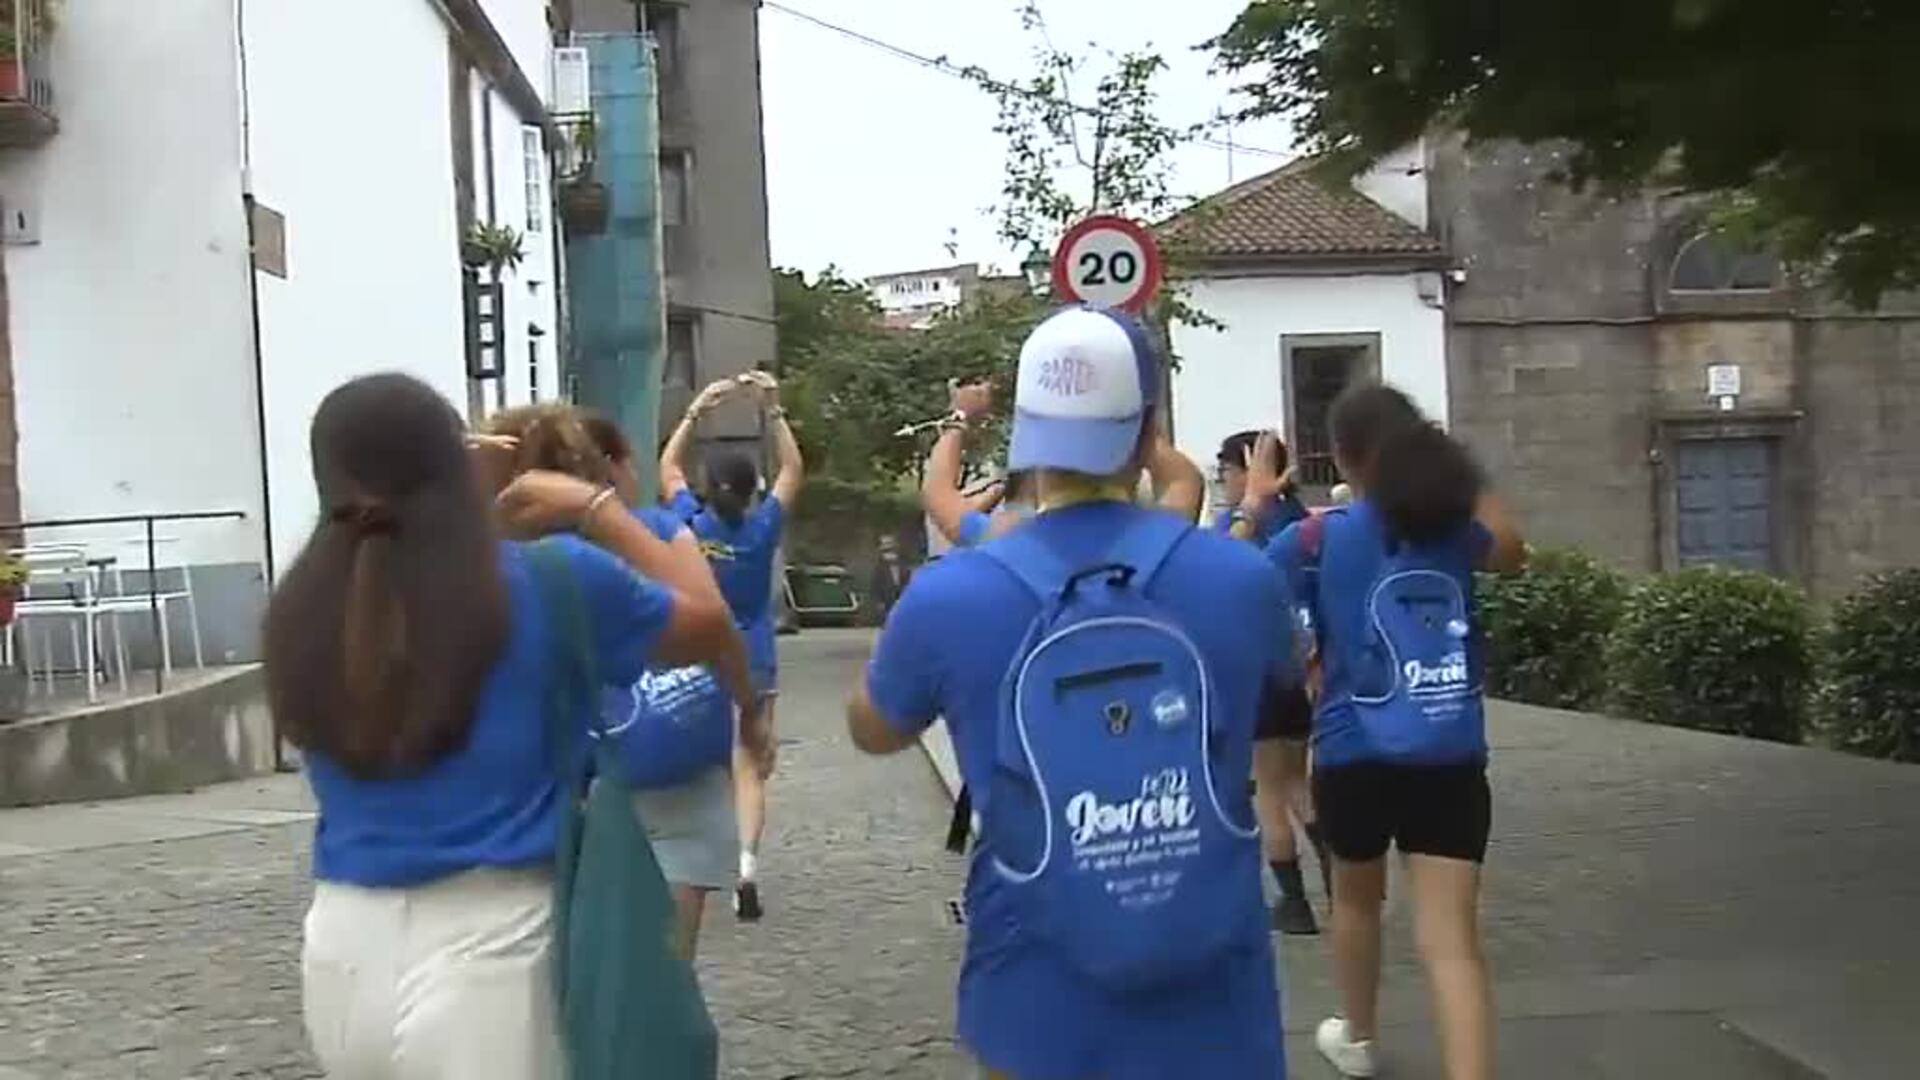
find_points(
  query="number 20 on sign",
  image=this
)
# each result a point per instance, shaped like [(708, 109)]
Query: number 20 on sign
[(1107, 261)]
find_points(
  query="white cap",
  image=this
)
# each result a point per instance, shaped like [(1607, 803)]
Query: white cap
[(1087, 377)]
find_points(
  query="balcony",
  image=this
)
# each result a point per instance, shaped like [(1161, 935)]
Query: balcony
[(26, 92)]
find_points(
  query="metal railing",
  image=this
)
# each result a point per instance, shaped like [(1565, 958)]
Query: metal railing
[(14, 533)]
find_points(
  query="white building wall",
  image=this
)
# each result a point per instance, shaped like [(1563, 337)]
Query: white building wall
[(531, 292), (1399, 182), (1232, 380), (358, 158), (522, 24), (132, 337)]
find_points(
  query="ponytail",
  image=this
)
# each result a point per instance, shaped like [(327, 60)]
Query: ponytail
[(1425, 483), (373, 636), (732, 479), (728, 506)]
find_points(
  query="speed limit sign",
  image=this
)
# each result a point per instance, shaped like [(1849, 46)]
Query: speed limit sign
[(1107, 261)]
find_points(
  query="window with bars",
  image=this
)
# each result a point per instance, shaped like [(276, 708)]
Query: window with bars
[(682, 351), (674, 166), (662, 20), (1317, 368)]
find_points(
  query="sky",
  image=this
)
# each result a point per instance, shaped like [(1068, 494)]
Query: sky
[(875, 164)]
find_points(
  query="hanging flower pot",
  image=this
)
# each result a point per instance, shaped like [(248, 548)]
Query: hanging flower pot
[(585, 206)]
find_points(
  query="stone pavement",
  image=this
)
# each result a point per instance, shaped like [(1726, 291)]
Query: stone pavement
[(159, 938), (1663, 903), (1659, 904)]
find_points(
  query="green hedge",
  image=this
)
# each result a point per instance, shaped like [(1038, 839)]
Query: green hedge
[(1869, 700), (1718, 650), (839, 522), (1547, 628)]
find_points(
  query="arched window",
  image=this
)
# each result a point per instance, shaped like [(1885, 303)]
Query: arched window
[(1713, 262)]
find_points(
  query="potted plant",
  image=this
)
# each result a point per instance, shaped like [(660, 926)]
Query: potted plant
[(492, 247), (11, 83), (37, 23), (13, 681), (585, 203), (13, 578)]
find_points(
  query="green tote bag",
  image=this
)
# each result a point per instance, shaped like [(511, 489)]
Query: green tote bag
[(630, 1007)]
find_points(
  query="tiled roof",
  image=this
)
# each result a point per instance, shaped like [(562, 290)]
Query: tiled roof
[(1292, 212)]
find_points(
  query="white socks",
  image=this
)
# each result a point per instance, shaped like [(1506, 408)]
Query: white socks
[(749, 864)]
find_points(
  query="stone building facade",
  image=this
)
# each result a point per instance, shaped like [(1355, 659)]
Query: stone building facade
[(1641, 387), (1583, 343)]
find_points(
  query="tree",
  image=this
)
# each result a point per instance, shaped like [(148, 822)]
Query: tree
[(1799, 116), (1067, 160), (811, 315), (851, 385)]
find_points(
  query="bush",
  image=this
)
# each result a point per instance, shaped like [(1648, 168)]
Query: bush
[(840, 522), (1869, 701), (1717, 650), (1546, 629)]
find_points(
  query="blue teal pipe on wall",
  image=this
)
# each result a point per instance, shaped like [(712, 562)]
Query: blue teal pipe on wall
[(616, 297)]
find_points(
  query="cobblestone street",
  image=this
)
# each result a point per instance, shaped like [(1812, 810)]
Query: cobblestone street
[(1659, 904), (177, 957)]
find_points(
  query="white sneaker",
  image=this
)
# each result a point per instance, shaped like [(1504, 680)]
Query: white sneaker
[(1349, 1058)]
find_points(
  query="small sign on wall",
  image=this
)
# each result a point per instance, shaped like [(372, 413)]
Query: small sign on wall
[(1723, 385), (19, 221), (269, 228)]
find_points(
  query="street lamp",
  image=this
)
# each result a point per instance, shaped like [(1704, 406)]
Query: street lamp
[(1039, 271)]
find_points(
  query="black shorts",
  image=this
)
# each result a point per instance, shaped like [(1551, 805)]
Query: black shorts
[(1440, 810)]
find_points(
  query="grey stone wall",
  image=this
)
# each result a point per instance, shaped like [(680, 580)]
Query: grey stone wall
[(1572, 372), (1550, 344), (1862, 398), (1561, 415), (219, 730)]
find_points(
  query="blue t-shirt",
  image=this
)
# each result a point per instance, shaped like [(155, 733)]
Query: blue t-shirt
[(945, 650), (691, 695), (742, 555), (974, 527), (1352, 549), (1280, 512), (495, 801)]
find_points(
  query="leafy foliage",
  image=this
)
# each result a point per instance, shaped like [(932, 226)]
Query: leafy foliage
[(850, 384), (1547, 629), (1800, 113), (1869, 700), (1066, 160), (836, 517), (1718, 650), (496, 247)]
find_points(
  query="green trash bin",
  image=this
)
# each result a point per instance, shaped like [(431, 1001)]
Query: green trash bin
[(822, 595)]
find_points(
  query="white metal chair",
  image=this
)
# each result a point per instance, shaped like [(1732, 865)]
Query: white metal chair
[(165, 596), (66, 572)]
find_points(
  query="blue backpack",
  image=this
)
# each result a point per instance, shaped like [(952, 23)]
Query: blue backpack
[(1106, 815), (669, 727), (1415, 675)]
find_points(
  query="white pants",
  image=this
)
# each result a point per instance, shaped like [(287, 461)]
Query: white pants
[(447, 981)]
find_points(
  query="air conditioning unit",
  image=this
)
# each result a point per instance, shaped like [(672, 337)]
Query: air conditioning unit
[(572, 82)]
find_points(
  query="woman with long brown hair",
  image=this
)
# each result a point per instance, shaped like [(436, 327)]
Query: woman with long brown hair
[(409, 655)]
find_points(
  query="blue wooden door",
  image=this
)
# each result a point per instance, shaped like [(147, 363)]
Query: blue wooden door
[(1725, 495)]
